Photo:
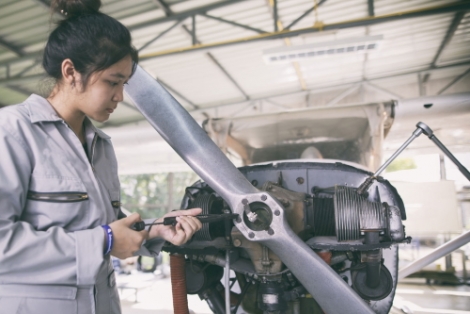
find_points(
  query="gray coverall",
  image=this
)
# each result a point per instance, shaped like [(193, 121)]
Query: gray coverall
[(53, 201)]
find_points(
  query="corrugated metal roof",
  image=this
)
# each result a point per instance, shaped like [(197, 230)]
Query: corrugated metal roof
[(206, 77)]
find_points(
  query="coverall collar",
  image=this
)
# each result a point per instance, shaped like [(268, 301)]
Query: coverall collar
[(40, 110)]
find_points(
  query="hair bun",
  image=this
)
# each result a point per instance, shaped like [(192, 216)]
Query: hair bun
[(72, 8)]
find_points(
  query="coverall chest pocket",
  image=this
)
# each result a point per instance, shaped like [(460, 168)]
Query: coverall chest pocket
[(56, 201)]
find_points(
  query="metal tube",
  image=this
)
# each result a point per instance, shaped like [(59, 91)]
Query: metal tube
[(415, 134), (461, 168), (368, 182), (275, 15), (434, 255), (464, 266)]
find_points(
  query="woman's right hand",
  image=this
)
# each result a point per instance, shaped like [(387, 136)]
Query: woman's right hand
[(125, 240)]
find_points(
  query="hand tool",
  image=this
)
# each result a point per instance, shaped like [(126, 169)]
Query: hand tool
[(167, 221)]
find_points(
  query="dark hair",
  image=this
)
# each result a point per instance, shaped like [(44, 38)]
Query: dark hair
[(92, 40)]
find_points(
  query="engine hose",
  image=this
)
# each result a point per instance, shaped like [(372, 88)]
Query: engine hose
[(178, 284), (325, 256)]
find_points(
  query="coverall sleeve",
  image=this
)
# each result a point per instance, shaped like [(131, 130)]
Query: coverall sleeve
[(29, 256)]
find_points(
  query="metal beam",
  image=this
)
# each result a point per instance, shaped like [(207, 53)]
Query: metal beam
[(160, 35), (370, 7), (19, 89), (168, 12), (21, 80), (37, 77), (345, 93), (231, 103), (421, 86), (304, 15), (269, 99), (228, 75), (447, 38), (25, 70), (209, 55), (193, 30), (175, 16), (164, 6), (450, 33), (216, 62), (184, 14), (175, 92), (454, 81), (25, 57), (11, 47), (287, 41), (437, 253), (383, 90), (44, 4), (47, 4), (275, 16), (260, 31), (453, 7)]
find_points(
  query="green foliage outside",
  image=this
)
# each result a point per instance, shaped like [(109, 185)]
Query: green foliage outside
[(148, 194), (401, 164)]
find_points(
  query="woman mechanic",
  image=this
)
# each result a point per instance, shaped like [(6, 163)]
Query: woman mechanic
[(59, 187)]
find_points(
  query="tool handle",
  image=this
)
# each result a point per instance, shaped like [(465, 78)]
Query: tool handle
[(167, 221), (138, 226), (214, 218)]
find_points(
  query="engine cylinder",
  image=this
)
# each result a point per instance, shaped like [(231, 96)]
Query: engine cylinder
[(354, 213), (209, 204)]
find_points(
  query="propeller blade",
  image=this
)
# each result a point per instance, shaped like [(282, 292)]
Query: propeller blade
[(190, 141), (186, 137)]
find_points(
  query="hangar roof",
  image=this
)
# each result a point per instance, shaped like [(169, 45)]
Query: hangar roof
[(216, 56)]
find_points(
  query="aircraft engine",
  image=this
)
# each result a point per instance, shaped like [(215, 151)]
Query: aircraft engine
[(356, 235)]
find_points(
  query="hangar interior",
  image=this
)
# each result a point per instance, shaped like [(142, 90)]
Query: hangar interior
[(267, 79)]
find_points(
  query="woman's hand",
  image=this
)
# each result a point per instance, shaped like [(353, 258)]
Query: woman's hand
[(126, 241), (184, 229)]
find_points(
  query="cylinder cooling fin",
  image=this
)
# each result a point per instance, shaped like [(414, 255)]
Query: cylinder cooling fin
[(323, 217), (354, 213), (210, 204)]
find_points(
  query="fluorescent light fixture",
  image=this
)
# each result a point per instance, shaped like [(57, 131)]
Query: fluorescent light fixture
[(324, 49)]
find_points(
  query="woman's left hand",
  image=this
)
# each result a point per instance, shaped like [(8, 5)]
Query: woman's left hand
[(184, 229)]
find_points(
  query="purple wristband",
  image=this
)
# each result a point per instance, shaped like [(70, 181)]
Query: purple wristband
[(109, 239)]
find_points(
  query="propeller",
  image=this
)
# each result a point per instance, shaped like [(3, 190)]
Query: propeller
[(190, 141)]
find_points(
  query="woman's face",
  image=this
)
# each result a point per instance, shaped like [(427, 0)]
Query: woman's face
[(104, 90)]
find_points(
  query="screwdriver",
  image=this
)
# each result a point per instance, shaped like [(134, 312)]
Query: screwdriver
[(171, 221)]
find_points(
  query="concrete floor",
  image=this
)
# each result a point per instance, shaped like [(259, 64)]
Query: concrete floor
[(415, 296)]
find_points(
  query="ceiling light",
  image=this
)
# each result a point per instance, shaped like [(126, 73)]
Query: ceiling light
[(324, 49)]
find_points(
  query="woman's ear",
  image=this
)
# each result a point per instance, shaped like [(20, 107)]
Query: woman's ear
[(70, 76)]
